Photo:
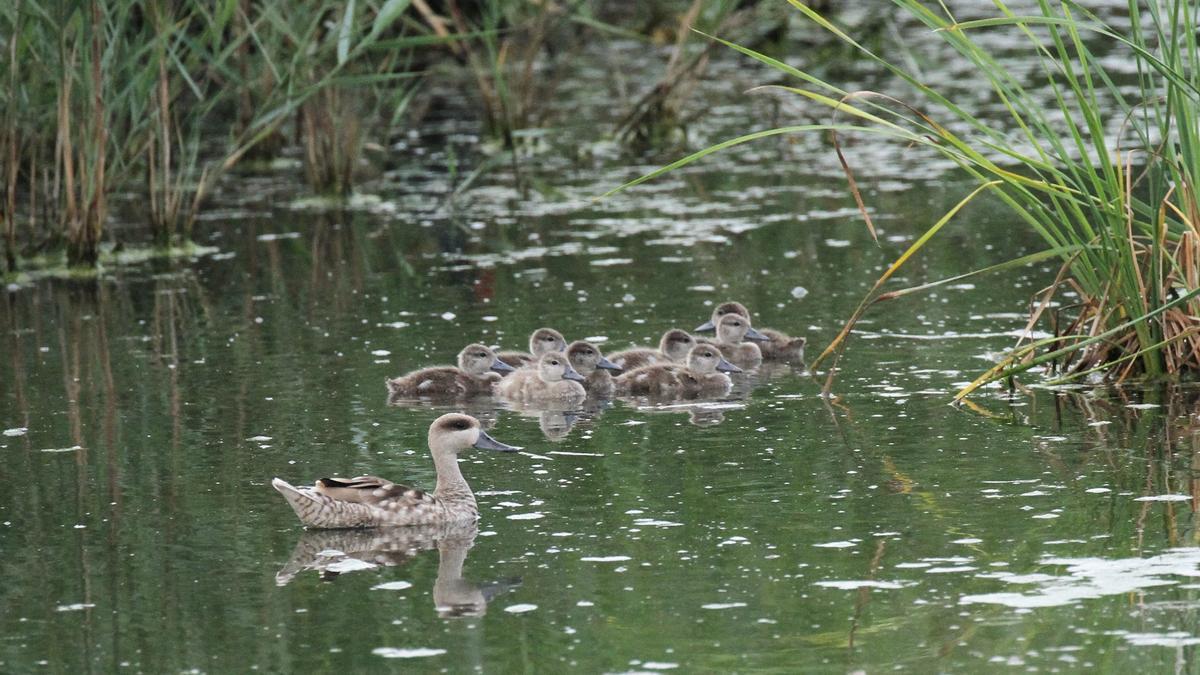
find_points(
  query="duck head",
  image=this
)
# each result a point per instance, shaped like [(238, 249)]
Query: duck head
[(454, 432), (554, 367), (733, 328), (720, 311), (546, 340), (476, 359), (676, 344), (585, 358), (705, 359)]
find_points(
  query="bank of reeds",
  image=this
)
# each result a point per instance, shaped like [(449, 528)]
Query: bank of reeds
[(1107, 179), (102, 95)]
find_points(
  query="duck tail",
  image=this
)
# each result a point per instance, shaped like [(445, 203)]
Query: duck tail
[(309, 505)]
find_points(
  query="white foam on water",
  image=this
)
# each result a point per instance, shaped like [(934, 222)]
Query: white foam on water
[(520, 609), (1087, 578), (16, 431), (392, 586), (605, 558), (406, 653), (1172, 639), (723, 605), (1164, 498), (350, 565), (854, 585), (75, 607), (836, 544), (527, 516)]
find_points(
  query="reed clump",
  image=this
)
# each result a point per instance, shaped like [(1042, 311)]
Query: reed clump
[(109, 94), (1106, 178)]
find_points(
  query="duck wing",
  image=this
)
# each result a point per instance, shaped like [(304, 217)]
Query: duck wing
[(374, 491)]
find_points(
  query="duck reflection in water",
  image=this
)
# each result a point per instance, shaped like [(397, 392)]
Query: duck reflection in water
[(332, 553)]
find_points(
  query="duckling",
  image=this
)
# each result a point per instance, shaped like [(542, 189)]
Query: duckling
[(672, 348), (553, 381), (703, 375), (778, 346), (587, 360), (542, 341), (477, 372), (732, 332), (370, 501)]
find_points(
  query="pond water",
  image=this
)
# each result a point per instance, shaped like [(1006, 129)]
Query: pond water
[(145, 414)]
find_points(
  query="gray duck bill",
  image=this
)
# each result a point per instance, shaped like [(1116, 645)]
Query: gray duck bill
[(727, 367), (752, 334), (705, 327), (502, 367), (486, 442), (608, 365), (570, 374)]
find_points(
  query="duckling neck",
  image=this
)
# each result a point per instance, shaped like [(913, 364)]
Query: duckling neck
[(451, 487)]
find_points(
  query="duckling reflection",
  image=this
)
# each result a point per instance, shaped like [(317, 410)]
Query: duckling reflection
[(542, 341), (331, 553), (777, 347)]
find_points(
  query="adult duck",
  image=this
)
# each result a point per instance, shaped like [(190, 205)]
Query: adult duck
[(370, 501)]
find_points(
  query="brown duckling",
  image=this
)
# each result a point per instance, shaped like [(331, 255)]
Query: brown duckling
[(704, 375), (477, 372), (672, 348), (733, 331), (777, 347), (588, 361), (542, 341), (553, 381)]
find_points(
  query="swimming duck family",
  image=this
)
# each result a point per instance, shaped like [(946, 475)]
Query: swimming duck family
[(370, 501)]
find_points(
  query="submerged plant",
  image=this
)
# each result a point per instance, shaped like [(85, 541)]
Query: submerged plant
[(1108, 180)]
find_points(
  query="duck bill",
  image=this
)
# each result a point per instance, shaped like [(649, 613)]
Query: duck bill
[(608, 365), (571, 374), (752, 334), (706, 327), (502, 367), (486, 442), (727, 367)]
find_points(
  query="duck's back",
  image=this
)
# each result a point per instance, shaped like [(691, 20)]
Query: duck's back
[(514, 385), (515, 359), (536, 389), (782, 347), (632, 359), (437, 381), (743, 355), (653, 380), (367, 501)]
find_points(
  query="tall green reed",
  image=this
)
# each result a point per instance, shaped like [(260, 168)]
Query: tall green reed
[(1106, 179)]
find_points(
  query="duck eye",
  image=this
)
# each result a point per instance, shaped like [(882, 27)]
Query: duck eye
[(554, 363)]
